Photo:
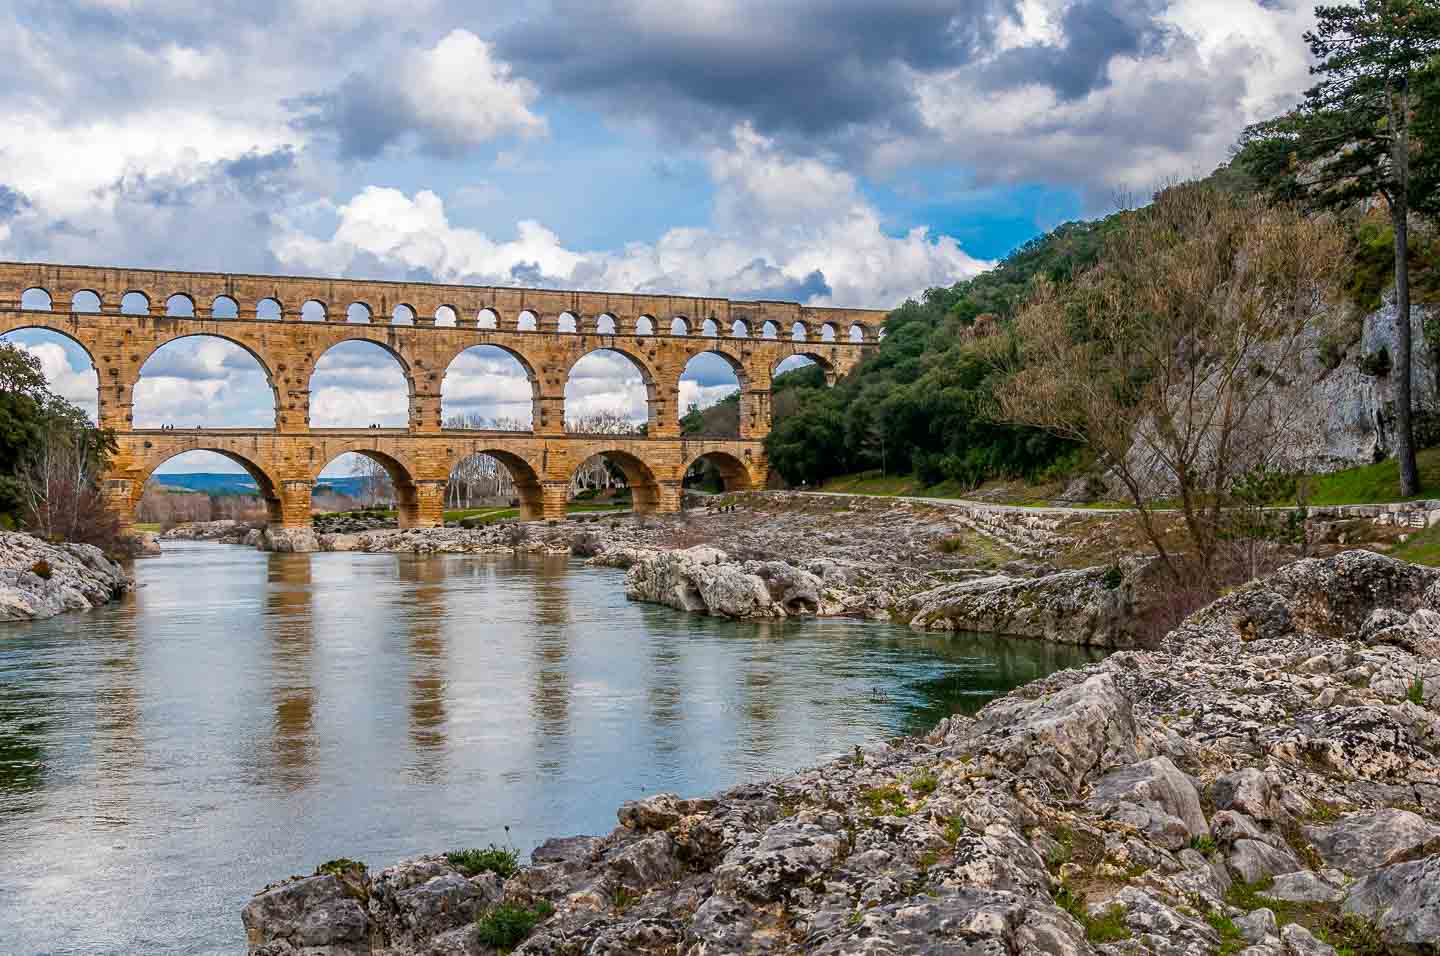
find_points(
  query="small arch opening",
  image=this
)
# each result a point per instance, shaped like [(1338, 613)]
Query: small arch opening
[(180, 305), (488, 319), (645, 325), (134, 303), (446, 317), (739, 330), (267, 310), (769, 331), (35, 300), (85, 301), (605, 324), (526, 321), (402, 315), (224, 307), (797, 332), (313, 311), (710, 329), (357, 313), (678, 326), (827, 332), (857, 333), (567, 323)]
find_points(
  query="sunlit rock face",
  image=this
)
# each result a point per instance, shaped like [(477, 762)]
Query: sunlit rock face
[(39, 580), (1170, 801)]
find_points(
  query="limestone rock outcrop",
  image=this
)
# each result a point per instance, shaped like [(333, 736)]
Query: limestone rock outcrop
[(1183, 800), (39, 580)]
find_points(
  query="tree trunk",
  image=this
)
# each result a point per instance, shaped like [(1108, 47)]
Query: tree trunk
[(1400, 216)]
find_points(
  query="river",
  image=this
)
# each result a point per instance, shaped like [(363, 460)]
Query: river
[(245, 716)]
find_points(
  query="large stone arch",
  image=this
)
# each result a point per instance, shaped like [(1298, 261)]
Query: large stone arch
[(526, 475), (307, 374), (237, 341), (69, 336), (646, 492), (743, 384), (524, 362), (814, 356), (734, 472), (409, 512), (154, 454), (654, 395)]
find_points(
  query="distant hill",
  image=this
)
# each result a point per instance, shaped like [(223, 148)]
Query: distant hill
[(210, 483)]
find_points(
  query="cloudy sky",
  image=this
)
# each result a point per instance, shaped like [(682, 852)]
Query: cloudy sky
[(847, 152)]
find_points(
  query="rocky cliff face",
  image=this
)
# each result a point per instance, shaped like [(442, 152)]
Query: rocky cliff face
[(39, 580), (1332, 418), (1267, 780)]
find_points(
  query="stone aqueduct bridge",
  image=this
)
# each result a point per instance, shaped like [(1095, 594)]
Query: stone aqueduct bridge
[(99, 309)]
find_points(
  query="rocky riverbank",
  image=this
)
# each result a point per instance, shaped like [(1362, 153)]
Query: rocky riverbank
[(40, 580), (1266, 782)]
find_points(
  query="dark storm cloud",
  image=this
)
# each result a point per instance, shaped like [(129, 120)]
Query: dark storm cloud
[(810, 66), (364, 115), (775, 285), (1094, 31)]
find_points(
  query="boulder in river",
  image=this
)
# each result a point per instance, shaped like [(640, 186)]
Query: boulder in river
[(39, 580)]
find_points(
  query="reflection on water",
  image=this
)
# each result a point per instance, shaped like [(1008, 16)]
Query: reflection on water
[(245, 716)]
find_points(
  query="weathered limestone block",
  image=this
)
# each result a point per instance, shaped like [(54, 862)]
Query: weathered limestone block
[(1068, 607)]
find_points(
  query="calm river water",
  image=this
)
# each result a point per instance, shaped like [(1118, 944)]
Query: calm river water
[(246, 716)]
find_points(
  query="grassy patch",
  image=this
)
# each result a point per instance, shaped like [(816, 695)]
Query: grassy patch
[(955, 828), (924, 783), (1231, 939), (506, 925), (1415, 693), (1373, 484), (1107, 927), (884, 801), (501, 861), (1351, 935)]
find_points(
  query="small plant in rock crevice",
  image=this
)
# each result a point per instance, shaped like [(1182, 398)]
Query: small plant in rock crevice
[(42, 569), (506, 925), (1415, 693), (501, 861), (1106, 927)]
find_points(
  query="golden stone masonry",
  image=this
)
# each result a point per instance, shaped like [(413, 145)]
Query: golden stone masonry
[(287, 324)]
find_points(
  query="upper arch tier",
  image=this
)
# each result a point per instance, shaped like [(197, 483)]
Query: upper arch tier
[(61, 282)]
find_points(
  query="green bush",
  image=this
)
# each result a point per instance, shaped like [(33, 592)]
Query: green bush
[(42, 570), (1376, 364), (501, 861), (504, 926), (1113, 577)]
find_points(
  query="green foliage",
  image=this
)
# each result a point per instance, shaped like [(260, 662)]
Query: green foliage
[(884, 801), (1106, 927), (339, 867), (506, 925), (1415, 693), (923, 403), (1113, 577), (955, 828), (924, 783), (1204, 844), (1231, 939), (1376, 364), (501, 861)]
